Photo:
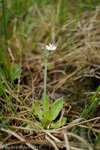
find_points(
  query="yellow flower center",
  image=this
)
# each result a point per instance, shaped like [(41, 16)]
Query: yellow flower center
[(50, 47)]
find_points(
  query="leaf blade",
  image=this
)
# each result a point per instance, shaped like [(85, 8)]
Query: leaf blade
[(56, 108), (47, 115), (45, 102), (56, 124), (5, 122), (37, 110), (16, 71)]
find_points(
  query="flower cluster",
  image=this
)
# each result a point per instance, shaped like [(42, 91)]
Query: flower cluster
[(47, 50), (50, 47)]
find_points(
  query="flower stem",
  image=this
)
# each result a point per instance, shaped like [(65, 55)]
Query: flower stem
[(45, 76)]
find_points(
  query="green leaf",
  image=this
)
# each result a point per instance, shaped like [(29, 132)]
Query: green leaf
[(56, 108), (4, 123), (63, 121), (92, 108), (38, 111), (27, 126), (37, 124), (91, 105), (16, 71), (45, 102), (30, 113), (47, 115), (95, 94), (97, 141), (45, 122), (6, 70), (56, 124)]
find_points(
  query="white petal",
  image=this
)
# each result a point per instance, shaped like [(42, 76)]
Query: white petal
[(51, 45), (54, 47), (47, 47)]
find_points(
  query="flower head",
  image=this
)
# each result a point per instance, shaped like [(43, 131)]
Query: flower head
[(47, 50), (50, 47)]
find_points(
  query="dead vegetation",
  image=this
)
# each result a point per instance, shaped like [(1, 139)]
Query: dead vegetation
[(77, 65)]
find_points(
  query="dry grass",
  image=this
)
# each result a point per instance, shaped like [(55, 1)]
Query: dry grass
[(79, 59)]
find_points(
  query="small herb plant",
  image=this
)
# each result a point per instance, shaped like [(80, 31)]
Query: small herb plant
[(48, 116)]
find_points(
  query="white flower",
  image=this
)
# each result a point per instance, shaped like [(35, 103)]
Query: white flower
[(50, 47)]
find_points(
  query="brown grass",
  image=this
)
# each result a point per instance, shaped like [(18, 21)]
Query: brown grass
[(78, 60)]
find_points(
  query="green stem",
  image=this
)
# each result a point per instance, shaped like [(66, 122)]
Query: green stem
[(45, 76)]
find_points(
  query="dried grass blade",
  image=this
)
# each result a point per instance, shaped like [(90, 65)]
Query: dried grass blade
[(52, 142), (81, 140), (66, 141), (18, 137)]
